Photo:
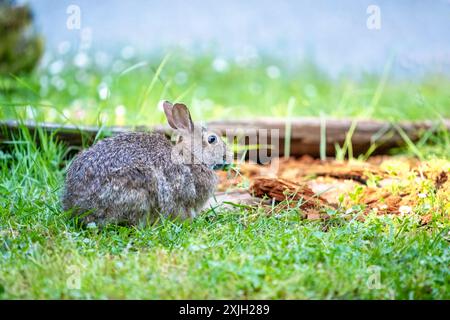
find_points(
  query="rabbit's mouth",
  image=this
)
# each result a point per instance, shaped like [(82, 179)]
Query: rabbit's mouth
[(222, 166)]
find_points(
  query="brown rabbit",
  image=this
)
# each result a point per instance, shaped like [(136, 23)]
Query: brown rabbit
[(135, 177)]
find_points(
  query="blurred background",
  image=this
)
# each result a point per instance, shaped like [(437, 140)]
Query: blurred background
[(111, 62)]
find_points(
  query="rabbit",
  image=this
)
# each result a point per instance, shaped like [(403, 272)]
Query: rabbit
[(135, 177)]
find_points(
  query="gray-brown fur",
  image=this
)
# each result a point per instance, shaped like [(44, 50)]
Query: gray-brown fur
[(135, 177)]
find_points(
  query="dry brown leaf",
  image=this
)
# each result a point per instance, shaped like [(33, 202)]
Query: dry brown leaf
[(440, 180), (426, 219)]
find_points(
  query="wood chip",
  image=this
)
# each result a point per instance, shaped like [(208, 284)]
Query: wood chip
[(284, 190)]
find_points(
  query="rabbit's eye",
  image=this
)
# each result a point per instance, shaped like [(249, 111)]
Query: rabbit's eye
[(212, 139)]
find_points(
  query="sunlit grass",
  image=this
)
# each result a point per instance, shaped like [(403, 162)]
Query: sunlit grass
[(222, 254)]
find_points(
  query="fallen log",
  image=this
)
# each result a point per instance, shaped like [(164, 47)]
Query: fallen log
[(305, 133), (302, 134)]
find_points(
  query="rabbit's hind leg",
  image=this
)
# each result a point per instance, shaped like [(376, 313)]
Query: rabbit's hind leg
[(124, 205)]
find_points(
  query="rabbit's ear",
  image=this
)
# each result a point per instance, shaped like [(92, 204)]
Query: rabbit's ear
[(182, 117), (167, 106)]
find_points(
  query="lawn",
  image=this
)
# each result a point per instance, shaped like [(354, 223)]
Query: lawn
[(234, 253), (78, 89)]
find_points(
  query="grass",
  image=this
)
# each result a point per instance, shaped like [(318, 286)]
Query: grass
[(222, 254), (127, 91)]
